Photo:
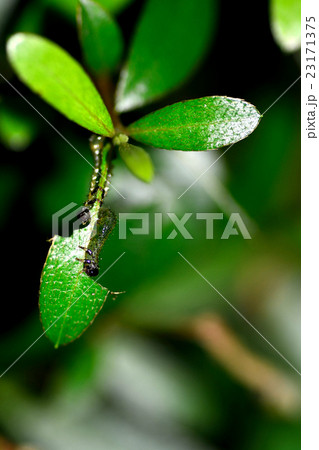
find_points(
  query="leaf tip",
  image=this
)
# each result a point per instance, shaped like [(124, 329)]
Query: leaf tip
[(13, 42)]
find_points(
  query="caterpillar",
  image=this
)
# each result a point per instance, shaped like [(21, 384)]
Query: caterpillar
[(106, 219), (104, 226), (99, 182)]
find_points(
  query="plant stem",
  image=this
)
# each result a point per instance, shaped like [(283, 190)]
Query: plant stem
[(106, 89), (102, 169)]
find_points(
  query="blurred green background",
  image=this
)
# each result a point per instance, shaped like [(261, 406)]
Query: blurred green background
[(169, 364)]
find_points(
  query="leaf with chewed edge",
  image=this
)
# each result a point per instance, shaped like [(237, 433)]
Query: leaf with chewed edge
[(69, 299)]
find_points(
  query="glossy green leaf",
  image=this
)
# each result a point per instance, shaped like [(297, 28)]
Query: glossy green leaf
[(101, 37), (138, 161), (202, 124), (170, 40), (69, 299), (52, 73), (285, 20)]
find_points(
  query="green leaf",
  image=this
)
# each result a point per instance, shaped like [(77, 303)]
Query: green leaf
[(138, 161), (202, 124), (115, 6), (285, 19), (68, 7), (69, 299), (51, 72), (31, 20), (101, 37), (170, 40)]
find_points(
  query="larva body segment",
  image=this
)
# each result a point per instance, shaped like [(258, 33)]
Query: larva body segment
[(105, 219), (104, 226)]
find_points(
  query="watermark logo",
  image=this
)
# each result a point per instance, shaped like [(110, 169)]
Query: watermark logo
[(139, 224), (66, 220)]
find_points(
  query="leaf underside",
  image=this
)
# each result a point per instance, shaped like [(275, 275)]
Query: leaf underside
[(202, 124)]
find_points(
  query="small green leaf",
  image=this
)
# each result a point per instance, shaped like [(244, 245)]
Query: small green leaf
[(52, 73), (69, 299), (202, 124), (170, 40), (285, 19), (101, 37), (138, 161)]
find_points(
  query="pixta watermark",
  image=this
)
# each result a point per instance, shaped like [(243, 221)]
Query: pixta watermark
[(139, 224), (68, 219)]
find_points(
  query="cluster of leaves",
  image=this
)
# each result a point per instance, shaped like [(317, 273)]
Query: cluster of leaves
[(150, 72), (163, 54), (17, 131)]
